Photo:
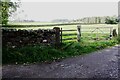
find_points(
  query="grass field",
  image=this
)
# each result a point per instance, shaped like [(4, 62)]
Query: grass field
[(41, 53), (64, 26), (86, 30)]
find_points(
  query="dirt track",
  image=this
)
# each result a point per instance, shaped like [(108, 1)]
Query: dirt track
[(100, 64)]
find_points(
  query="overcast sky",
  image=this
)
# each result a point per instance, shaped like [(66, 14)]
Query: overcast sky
[(46, 11)]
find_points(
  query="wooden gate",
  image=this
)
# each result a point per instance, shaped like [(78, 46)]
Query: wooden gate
[(71, 34)]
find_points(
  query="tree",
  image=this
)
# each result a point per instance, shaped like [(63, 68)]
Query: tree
[(7, 8)]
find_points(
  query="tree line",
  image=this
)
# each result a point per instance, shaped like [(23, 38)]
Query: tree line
[(99, 20)]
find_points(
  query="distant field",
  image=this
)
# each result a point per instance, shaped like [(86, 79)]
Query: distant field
[(31, 23), (86, 30)]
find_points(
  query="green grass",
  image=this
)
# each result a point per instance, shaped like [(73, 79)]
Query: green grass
[(42, 53)]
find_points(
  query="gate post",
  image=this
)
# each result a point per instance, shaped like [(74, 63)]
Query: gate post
[(78, 33), (111, 32), (57, 37), (114, 33)]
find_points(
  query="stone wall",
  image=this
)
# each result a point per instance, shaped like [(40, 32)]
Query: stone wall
[(17, 38)]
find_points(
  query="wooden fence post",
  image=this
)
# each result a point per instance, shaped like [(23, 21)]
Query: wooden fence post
[(111, 32), (78, 32), (57, 37)]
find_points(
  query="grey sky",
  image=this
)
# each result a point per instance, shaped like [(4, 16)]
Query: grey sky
[(46, 11)]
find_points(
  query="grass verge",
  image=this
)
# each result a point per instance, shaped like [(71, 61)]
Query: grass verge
[(42, 53)]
